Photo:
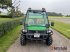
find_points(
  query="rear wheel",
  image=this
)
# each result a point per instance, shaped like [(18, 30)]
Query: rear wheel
[(23, 40), (49, 41)]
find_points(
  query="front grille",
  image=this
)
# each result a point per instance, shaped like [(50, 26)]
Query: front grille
[(33, 31), (32, 37), (30, 31)]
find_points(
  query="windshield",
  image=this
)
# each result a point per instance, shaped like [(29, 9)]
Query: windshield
[(37, 19)]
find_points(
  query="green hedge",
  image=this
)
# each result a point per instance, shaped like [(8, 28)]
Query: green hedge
[(7, 26), (5, 16)]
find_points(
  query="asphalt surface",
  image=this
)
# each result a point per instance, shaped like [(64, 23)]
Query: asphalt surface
[(60, 44), (64, 20)]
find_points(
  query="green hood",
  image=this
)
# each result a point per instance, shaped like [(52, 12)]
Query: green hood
[(36, 27)]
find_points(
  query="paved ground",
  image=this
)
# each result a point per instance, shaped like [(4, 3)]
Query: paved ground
[(64, 20), (60, 44)]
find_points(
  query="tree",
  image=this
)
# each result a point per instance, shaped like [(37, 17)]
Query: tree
[(54, 14), (67, 15), (6, 2), (0, 11)]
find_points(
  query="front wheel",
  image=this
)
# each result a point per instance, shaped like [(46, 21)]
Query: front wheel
[(49, 41), (23, 40)]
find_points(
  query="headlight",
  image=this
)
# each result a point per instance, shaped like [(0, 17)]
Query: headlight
[(50, 31), (24, 30)]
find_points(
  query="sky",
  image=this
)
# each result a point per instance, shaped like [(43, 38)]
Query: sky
[(59, 6)]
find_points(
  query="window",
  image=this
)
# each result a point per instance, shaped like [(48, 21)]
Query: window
[(37, 19)]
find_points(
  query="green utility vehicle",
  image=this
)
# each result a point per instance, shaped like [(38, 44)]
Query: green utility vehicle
[(36, 27)]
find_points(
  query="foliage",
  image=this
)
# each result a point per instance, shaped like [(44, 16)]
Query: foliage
[(6, 2), (0, 11), (9, 38), (8, 25), (67, 15), (54, 14), (5, 16)]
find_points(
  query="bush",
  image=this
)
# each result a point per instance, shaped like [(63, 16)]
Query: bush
[(7, 26), (5, 16)]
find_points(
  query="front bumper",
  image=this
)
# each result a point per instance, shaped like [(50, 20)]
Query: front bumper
[(43, 35), (31, 36)]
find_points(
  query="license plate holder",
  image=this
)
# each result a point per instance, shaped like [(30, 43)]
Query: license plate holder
[(36, 35)]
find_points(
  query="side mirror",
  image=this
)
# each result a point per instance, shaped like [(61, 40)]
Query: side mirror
[(52, 23), (47, 25)]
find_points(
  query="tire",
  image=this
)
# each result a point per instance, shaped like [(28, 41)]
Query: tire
[(23, 40), (49, 41)]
